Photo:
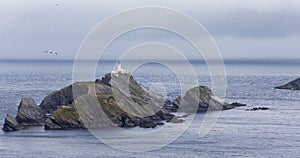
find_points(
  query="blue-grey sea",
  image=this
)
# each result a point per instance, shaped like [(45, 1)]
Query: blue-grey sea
[(237, 133)]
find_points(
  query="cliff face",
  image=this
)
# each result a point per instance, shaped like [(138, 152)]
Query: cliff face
[(61, 97), (112, 101), (293, 85)]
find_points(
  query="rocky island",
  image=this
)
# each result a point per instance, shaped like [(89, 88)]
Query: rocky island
[(113, 96), (293, 85)]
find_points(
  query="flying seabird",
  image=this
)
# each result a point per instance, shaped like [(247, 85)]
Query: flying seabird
[(51, 52)]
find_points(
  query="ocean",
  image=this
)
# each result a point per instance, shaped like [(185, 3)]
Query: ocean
[(237, 133)]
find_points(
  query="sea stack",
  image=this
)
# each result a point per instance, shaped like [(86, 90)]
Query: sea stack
[(10, 124), (29, 113)]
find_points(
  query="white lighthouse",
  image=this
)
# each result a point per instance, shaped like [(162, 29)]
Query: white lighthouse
[(119, 70)]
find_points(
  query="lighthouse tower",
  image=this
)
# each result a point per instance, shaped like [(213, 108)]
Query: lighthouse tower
[(119, 69)]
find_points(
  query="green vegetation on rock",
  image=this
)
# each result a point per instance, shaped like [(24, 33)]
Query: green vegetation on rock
[(68, 112)]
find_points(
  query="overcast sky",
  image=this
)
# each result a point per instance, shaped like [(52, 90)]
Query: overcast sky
[(241, 28)]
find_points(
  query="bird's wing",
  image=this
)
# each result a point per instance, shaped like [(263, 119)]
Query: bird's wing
[(47, 51)]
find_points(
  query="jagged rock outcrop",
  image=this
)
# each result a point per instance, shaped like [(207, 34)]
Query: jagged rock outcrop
[(293, 85), (116, 100), (66, 117), (200, 99), (112, 101), (10, 124), (65, 96), (29, 113)]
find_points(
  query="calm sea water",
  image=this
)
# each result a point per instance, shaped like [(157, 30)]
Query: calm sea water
[(238, 133)]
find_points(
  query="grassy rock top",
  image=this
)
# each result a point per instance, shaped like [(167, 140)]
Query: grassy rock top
[(111, 101)]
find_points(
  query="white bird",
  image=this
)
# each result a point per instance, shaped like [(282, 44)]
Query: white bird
[(51, 52)]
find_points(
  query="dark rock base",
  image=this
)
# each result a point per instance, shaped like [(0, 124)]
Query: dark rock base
[(11, 124)]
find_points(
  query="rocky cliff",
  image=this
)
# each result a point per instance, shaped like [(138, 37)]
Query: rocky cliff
[(116, 100), (111, 101)]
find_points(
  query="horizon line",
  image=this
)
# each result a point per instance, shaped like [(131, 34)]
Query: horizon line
[(202, 61)]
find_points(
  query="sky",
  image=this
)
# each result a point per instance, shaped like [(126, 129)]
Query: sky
[(241, 29)]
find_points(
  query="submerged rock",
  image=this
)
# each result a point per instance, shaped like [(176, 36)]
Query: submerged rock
[(148, 125), (293, 85), (175, 119), (232, 105), (259, 108), (10, 124), (29, 113)]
